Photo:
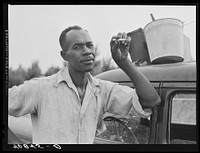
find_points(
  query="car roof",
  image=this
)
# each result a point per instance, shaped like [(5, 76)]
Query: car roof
[(182, 71)]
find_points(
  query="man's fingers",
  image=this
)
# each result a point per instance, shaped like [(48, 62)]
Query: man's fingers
[(113, 40), (120, 38), (124, 35), (129, 38), (114, 46), (128, 41), (119, 34)]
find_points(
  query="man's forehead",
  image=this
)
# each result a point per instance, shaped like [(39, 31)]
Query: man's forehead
[(78, 35)]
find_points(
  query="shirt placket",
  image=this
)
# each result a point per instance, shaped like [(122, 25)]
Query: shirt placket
[(81, 111), (80, 130), (78, 103), (88, 95), (79, 117)]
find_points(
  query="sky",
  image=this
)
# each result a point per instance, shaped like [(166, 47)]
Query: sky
[(34, 30)]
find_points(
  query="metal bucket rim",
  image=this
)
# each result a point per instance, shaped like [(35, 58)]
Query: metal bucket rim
[(162, 19)]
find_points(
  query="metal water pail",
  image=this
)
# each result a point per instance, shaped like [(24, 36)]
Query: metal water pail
[(165, 40)]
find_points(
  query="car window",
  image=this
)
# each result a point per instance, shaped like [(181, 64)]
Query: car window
[(132, 130), (184, 108), (183, 119)]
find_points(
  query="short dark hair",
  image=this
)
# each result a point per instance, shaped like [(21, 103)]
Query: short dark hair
[(63, 34)]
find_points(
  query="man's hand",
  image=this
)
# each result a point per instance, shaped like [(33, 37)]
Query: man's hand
[(120, 47)]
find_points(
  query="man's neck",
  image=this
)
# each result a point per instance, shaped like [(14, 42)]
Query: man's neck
[(80, 79)]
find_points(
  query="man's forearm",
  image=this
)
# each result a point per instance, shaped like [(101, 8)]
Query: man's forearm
[(147, 94)]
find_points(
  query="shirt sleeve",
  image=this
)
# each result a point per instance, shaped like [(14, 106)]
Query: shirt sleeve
[(22, 99), (123, 100)]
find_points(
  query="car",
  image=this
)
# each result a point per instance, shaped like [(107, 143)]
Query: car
[(171, 122)]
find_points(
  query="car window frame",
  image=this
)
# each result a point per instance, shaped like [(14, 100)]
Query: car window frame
[(168, 90)]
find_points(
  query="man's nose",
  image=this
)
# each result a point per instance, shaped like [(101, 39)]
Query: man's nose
[(87, 51)]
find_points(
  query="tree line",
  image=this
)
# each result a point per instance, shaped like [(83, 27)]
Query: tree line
[(19, 75)]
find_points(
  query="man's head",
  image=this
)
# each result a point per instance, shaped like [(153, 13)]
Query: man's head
[(77, 49)]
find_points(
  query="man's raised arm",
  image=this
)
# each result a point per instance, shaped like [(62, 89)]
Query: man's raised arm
[(120, 44)]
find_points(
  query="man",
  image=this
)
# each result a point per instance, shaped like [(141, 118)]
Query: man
[(68, 106)]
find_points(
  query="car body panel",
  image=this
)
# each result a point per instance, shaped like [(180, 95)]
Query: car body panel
[(157, 73)]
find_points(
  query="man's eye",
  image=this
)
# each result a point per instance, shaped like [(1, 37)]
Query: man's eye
[(77, 47), (90, 46)]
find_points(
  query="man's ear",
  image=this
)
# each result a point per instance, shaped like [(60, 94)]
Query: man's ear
[(64, 55)]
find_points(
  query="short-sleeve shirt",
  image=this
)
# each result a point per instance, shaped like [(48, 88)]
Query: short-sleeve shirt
[(57, 115)]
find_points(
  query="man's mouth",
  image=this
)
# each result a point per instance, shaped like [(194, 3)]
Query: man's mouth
[(88, 61)]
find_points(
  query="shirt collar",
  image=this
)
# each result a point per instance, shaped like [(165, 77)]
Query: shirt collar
[(63, 75)]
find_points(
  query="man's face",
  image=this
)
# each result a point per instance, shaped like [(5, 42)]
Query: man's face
[(79, 51)]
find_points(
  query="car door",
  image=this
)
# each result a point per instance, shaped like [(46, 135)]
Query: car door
[(177, 114)]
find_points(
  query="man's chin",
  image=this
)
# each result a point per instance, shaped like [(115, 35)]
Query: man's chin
[(88, 68)]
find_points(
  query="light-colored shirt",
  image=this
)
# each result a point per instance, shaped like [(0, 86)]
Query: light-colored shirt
[(56, 111)]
